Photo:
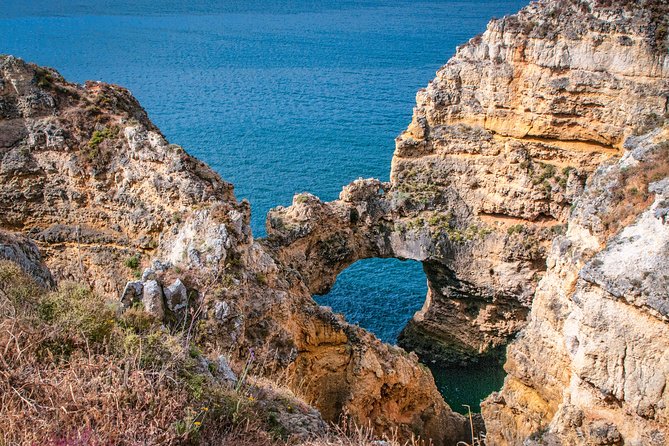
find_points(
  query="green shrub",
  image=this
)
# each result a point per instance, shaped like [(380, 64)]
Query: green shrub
[(21, 291), (79, 311), (132, 262), (100, 135), (515, 229)]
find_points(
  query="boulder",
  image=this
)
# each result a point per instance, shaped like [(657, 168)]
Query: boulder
[(132, 293), (152, 299), (176, 297)]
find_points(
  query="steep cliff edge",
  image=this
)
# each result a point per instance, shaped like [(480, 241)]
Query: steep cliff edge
[(591, 366), (534, 173), (518, 184), (500, 146), (87, 177)]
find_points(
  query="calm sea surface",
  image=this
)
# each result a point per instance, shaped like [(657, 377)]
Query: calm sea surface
[(279, 97)]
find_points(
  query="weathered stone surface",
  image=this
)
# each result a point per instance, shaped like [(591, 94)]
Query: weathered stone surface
[(532, 173), (132, 293), (500, 146), (98, 182), (84, 171), (599, 314), (224, 371), (176, 296), (22, 250), (152, 298), (506, 185)]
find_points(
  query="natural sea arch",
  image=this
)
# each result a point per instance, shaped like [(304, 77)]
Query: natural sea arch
[(381, 295)]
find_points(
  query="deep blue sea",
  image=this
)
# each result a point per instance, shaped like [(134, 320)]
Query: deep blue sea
[(279, 97)]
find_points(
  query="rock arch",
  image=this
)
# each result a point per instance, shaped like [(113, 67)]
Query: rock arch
[(475, 301)]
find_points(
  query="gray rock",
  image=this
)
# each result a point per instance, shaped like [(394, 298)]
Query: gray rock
[(131, 293), (221, 310), (153, 299), (21, 250), (176, 296), (224, 372), (148, 274), (603, 433)]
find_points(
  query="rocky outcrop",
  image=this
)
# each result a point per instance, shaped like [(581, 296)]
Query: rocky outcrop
[(500, 146), (534, 173), (22, 251), (519, 184), (87, 176), (372, 219), (601, 315)]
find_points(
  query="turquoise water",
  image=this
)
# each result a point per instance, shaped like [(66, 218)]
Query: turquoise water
[(279, 97)]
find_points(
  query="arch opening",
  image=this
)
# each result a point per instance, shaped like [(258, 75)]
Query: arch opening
[(381, 296)]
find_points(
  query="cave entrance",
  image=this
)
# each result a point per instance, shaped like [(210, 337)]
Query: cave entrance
[(381, 295)]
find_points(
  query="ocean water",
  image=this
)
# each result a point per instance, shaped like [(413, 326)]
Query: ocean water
[(279, 97)]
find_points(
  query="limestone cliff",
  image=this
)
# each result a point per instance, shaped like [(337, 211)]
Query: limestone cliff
[(534, 172), (88, 177), (591, 366), (533, 176), (500, 146)]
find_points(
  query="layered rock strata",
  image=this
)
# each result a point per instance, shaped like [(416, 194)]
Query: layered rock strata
[(518, 184), (591, 366), (500, 146)]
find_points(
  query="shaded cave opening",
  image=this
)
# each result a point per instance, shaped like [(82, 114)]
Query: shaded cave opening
[(381, 296)]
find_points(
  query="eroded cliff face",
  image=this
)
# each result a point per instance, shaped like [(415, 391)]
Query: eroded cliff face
[(519, 184), (591, 366), (91, 180), (500, 147), (109, 202)]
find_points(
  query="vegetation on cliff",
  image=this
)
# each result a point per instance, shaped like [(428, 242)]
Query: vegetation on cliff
[(74, 370)]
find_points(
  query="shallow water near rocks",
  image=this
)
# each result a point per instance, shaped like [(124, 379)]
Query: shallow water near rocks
[(381, 295), (279, 97)]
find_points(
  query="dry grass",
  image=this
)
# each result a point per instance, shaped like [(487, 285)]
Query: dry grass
[(348, 434), (632, 196), (73, 371)]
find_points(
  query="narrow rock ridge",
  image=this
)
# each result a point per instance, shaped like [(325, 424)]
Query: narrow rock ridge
[(87, 177), (499, 148)]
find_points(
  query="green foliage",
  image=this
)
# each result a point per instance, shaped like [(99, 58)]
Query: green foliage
[(100, 135), (132, 262), (77, 310), (441, 223), (17, 287), (43, 78), (301, 198), (261, 278), (196, 383), (136, 320), (152, 350), (516, 229), (547, 172)]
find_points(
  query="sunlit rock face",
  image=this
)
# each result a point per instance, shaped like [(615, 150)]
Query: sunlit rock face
[(90, 181), (519, 184), (498, 151), (591, 365)]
